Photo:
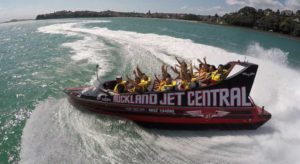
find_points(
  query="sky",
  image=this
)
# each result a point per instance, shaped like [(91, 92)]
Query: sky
[(24, 9)]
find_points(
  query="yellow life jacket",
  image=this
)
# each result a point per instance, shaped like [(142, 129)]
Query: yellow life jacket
[(123, 82), (144, 84), (174, 83), (193, 79), (132, 90), (168, 86), (218, 76), (161, 85)]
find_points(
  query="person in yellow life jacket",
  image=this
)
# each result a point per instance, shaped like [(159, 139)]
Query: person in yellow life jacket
[(182, 85), (160, 86), (158, 83), (120, 87), (204, 77), (145, 83), (169, 85), (219, 75)]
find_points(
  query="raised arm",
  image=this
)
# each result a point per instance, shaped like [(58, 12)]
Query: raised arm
[(175, 70), (200, 61), (139, 72), (191, 70), (204, 59), (129, 79), (135, 74), (198, 70), (165, 71), (156, 78), (178, 61)]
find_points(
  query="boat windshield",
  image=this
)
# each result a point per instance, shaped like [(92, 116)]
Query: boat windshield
[(236, 68)]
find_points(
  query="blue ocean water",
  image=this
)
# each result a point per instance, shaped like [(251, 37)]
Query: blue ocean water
[(40, 58)]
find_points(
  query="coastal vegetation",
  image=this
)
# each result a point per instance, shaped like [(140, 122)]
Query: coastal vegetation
[(286, 21)]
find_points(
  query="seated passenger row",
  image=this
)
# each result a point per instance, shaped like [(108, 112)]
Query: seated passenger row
[(186, 79)]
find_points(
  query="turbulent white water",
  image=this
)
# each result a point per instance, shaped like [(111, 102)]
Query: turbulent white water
[(57, 133)]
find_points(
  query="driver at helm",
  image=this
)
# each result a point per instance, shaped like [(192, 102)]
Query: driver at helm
[(120, 86)]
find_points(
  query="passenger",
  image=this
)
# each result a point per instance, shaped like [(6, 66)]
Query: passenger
[(203, 76), (176, 71), (120, 87), (183, 69), (182, 85), (164, 71), (186, 78), (169, 85), (133, 85), (139, 86), (191, 78), (204, 59), (212, 69), (182, 64), (129, 86), (145, 82), (219, 75), (158, 83), (202, 72), (138, 74), (202, 63), (137, 77)]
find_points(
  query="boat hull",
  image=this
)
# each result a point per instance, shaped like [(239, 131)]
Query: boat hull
[(166, 117)]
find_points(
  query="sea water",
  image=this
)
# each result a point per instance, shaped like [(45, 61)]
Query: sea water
[(38, 59)]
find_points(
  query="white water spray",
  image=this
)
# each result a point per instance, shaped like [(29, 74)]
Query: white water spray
[(62, 133)]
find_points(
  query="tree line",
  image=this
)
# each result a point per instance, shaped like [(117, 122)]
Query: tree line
[(286, 21)]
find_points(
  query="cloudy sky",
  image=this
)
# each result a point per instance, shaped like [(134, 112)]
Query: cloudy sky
[(11, 9)]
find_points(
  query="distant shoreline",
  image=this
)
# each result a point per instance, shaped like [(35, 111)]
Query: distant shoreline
[(238, 27), (16, 20), (285, 22), (255, 30)]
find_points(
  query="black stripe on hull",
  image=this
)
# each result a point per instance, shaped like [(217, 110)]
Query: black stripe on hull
[(164, 126)]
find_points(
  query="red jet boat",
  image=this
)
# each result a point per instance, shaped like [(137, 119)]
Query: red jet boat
[(225, 105)]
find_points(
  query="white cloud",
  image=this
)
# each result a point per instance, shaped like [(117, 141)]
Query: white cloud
[(236, 2), (187, 8), (206, 10), (211, 9), (216, 7), (183, 7), (293, 4), (263, 4)]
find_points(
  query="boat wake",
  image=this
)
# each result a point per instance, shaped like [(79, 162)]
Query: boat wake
[(56, 132)]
